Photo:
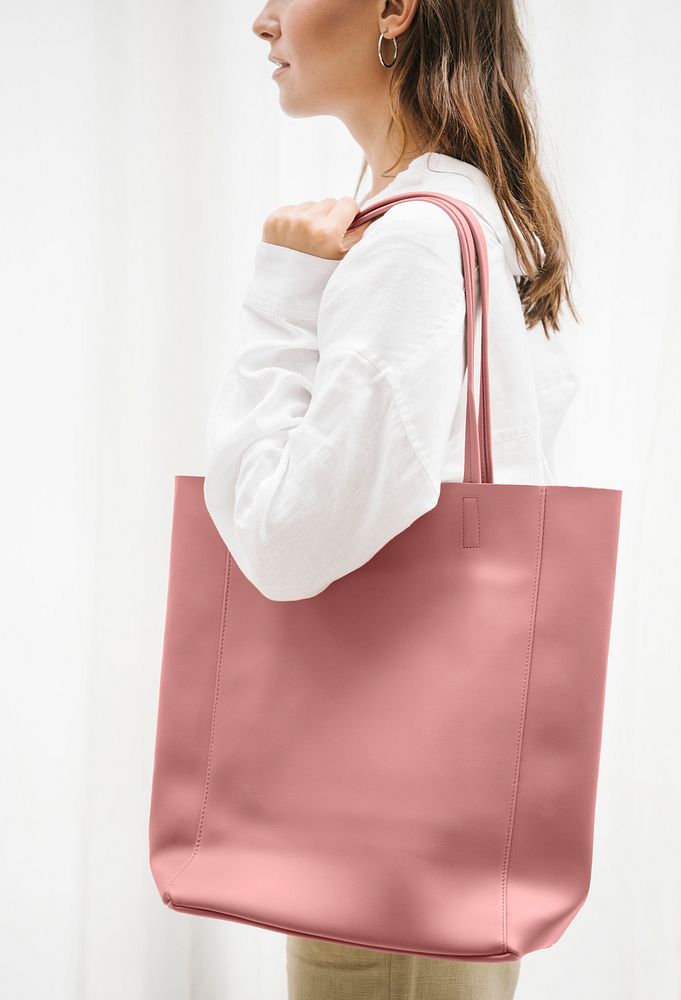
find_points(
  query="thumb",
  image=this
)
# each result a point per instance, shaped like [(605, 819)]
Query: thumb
[(354, 235)]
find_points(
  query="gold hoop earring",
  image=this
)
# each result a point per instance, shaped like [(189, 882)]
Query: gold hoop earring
[(380, 54)]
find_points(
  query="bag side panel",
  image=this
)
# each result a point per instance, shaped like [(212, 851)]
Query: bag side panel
[(552, 838), (192, 645)]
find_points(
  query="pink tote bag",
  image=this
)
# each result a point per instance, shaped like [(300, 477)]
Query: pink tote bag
[(407, 761)]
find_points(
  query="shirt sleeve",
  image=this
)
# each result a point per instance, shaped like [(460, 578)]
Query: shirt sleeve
[(314, 459), (558, 378)]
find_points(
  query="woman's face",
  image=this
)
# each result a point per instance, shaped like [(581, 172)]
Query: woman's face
[(331, 48)]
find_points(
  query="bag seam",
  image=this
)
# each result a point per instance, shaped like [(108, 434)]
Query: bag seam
[(220, 660), (542, 492)]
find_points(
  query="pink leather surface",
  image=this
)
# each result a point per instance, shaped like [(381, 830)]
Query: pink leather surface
[(409, 760)]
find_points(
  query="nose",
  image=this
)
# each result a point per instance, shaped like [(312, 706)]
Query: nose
[(266, 25)]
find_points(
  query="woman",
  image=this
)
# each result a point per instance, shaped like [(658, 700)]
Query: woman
[(342, 411)]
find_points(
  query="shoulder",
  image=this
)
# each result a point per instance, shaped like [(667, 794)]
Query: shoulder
[(397, 289), (413, 223), (416, 234)]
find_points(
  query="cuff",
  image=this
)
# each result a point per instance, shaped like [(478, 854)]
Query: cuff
[(288, 281)]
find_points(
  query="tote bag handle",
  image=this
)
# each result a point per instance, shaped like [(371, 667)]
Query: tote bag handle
[(478, 466)]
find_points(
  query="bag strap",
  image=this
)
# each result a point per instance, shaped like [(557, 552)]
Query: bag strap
[(478, 466)]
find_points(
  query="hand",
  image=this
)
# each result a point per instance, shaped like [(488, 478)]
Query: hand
[(315, 227)]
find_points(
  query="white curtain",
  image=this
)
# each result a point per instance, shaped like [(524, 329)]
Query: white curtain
[(142, 146)]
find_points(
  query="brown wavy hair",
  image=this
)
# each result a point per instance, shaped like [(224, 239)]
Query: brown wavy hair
[(461, 85)]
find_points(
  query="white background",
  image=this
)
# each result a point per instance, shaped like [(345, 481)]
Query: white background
[(142, 146)]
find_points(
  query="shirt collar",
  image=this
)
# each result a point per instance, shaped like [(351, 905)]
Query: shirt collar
[(463, 180)]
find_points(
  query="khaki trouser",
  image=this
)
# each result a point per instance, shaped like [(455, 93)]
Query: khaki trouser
[(321, 970)]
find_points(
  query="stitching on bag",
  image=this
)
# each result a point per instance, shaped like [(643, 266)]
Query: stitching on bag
[(521, 727), (223, 628), (476, 544)]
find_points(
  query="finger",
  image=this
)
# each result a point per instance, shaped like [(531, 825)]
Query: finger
[(354, 235), (343, 212), (317, 207)]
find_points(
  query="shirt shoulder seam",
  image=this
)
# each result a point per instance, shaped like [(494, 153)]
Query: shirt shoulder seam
[(384, 374), (273, 307)]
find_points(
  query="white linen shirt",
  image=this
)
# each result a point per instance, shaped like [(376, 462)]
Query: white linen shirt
[(342, 409)]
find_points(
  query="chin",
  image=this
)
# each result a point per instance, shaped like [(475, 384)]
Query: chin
[(299, 109), (297, 114), (294, 110)]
